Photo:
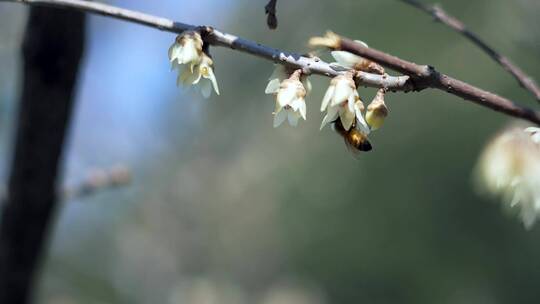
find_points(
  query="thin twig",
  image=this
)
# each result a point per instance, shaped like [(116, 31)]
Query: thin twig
[(98, 180), (270, 10), (423, 75), (442, 16)]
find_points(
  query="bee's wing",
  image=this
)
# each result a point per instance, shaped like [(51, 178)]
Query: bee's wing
[(354, 151)]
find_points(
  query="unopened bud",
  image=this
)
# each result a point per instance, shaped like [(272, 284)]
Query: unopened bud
[(377, 111)]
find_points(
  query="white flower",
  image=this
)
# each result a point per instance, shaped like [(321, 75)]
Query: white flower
[(208, 78), (202, 74), (194, 66), (342, 100), (186, 49), (281, 73), (355, 62), (348, 60), (290, 102), (509, 167)]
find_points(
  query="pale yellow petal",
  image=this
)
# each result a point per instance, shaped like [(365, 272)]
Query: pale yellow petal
[(174, 50), (206, 88), (187, 77), (346, 59), (272, 87), (299, 105), (307, 85), (327, 97), (293, 117), (347, 118), (212, 78), (285, 96), (342, 93), (279, 118), (330, 116), (361, 124), (350, 102), (362, 43), (278, 73)]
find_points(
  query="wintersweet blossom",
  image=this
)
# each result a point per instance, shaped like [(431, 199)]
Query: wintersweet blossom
[(281, 73), (186, 49), (290, 99), (357, 63), (349, 60), (202, 75), (194, 66), (342, 100), (509, 167)]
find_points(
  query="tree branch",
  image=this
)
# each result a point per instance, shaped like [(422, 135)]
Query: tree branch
[(52, 48), (218, 38), (440, 15), (421, 76), (98, 180)]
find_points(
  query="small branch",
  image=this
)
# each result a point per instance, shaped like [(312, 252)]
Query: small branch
[(215, 37), (423, 76), (271, 18), (440, 15), (98, 180)]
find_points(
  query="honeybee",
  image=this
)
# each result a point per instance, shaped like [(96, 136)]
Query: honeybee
[(355, 140)]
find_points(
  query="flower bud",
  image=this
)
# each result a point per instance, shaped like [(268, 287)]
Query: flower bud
[(377, 111)]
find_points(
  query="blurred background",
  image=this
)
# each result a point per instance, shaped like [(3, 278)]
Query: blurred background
[(225, 209)]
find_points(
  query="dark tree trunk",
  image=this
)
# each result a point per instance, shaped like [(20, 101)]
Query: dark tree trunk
[(52, 49)]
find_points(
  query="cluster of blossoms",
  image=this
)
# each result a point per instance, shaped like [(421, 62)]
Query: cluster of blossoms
[(341, 101), (509, 168), (194, 65), (342, 104)]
